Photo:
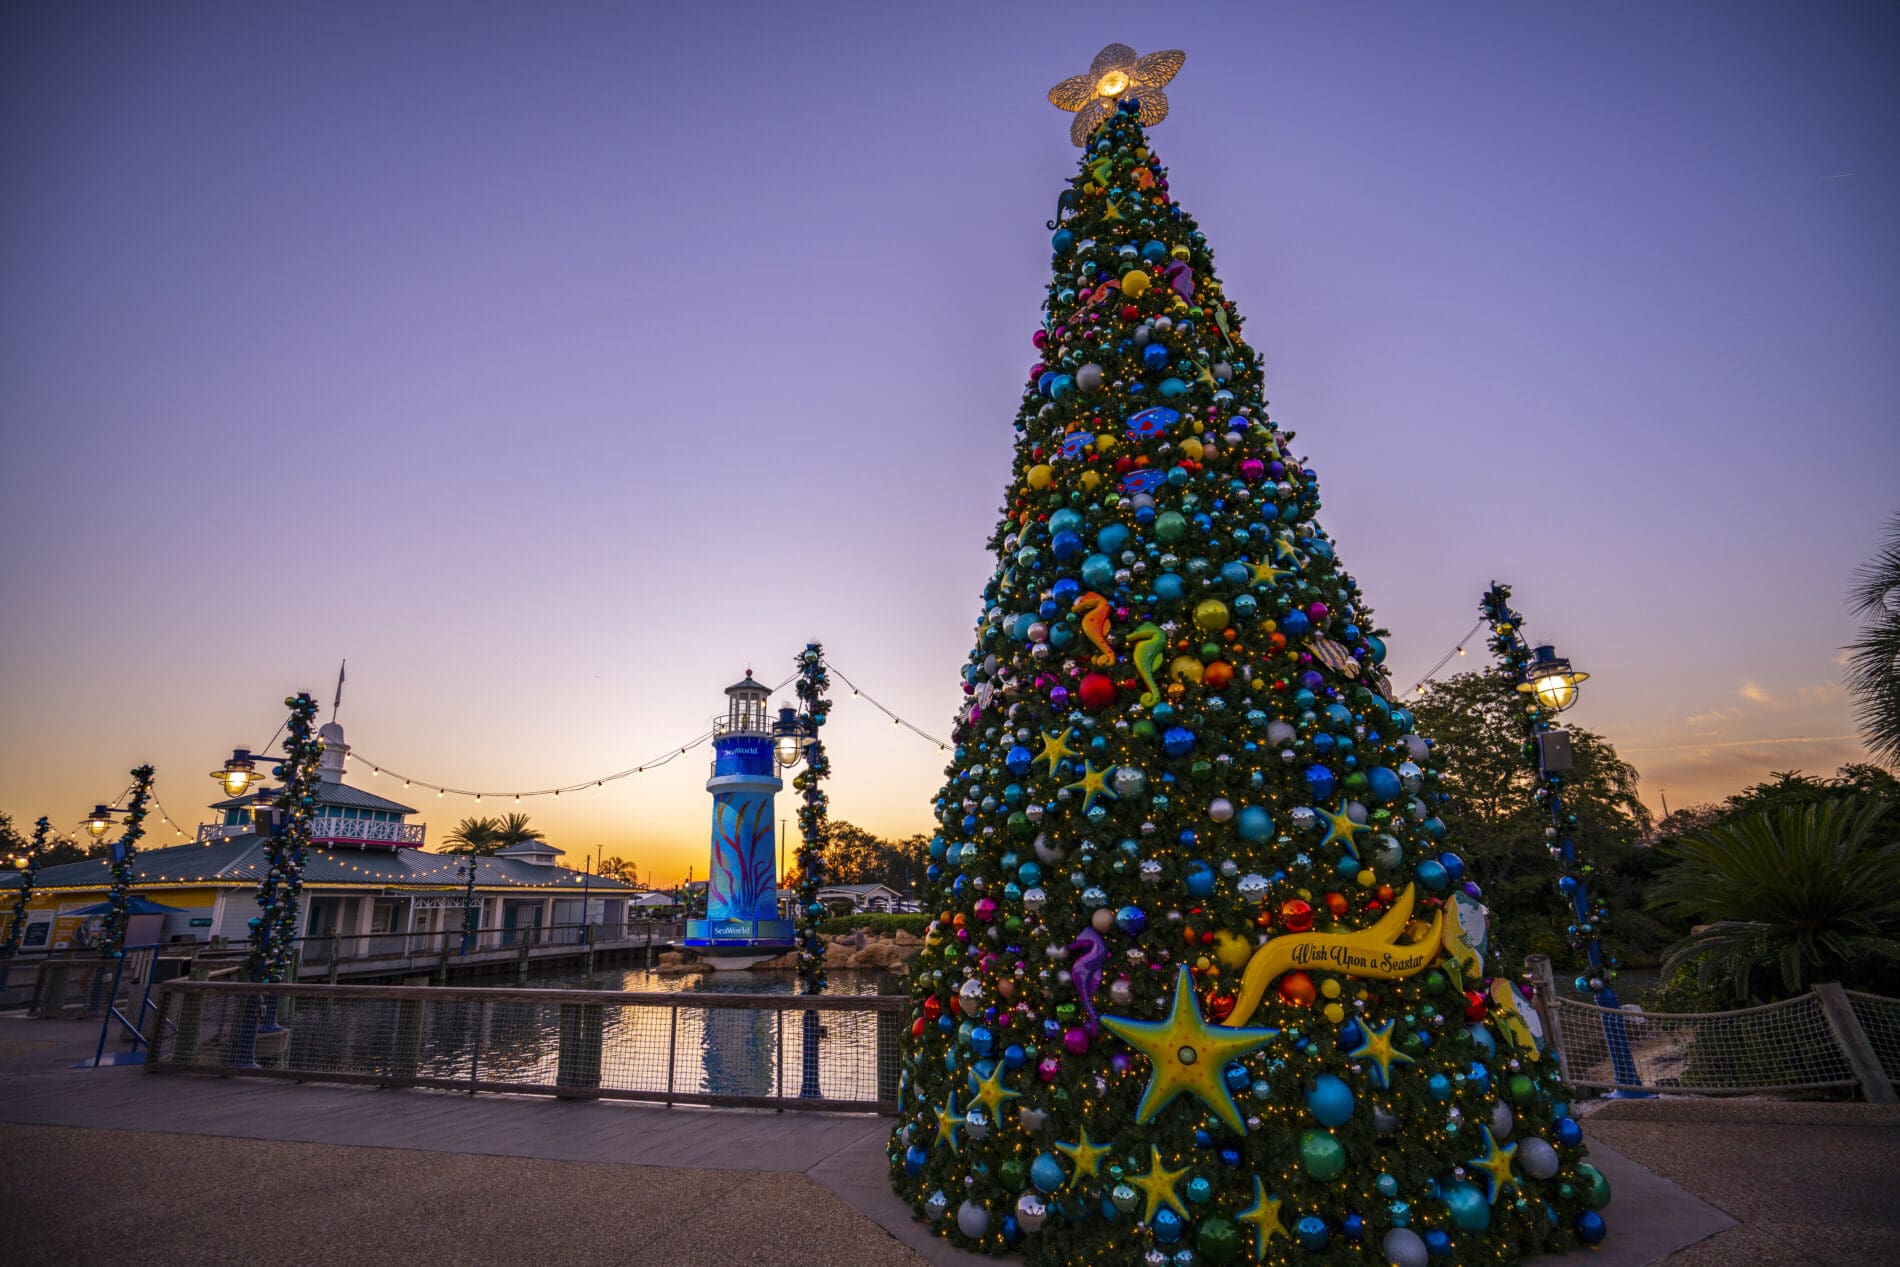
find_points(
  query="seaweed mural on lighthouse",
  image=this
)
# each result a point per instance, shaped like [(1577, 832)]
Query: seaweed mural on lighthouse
[(743, 849)]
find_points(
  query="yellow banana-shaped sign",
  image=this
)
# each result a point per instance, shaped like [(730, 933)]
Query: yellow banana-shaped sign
[(1367, 952)]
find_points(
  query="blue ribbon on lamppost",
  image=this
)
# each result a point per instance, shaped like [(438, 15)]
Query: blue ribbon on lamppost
[(796, 736), (28, 864), (1551, 685)]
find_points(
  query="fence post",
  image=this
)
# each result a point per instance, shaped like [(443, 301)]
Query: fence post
[(191, 1014), (672, 1050), (521, 964), (1861, 1060), (475, 1052), (1544, 999), (407, 1057), (336, 954), (577, 1071)]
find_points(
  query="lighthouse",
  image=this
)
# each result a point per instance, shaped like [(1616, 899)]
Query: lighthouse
[(742, 926)]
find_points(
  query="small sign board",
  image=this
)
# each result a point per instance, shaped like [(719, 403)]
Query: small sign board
[(201, 923)]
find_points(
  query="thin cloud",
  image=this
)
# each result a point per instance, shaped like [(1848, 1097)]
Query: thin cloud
[(1754, 694)]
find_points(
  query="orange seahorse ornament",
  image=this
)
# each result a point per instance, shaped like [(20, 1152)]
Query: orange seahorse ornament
[(1094, 609)]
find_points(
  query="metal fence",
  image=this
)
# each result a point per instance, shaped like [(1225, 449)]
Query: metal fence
[(1826, 1039), (69, 986), (835, 1052)]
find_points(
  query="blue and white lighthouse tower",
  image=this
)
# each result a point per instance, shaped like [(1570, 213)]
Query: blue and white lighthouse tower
[(742, 920)]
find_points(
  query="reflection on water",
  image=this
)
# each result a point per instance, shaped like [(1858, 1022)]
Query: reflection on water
[(723, 1051)]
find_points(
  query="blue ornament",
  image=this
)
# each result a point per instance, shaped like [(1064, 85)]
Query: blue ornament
[(1431, 874), (1065, 545), (1047, 1173), (1155, 356), (1154, 252), (1484, 1039), (1591, 1228), (1437, 1243), (1177, 741), (1440, 1086), (1236, 574), (1353, 1226), (1169, 588), (1569, 1133), (1454, 866), (1172, 389), (1237, 1076), (1131, 920), (1311, 1233), (1295, 624), (1098, 571), (1382, 783), (1254, 825), (1062, 241), (1200, 880), (1199, 1190), (914, 1158), (1330, 1100), (1388, 1185), (1320, 782), (1168, 1226), (1018, 761)]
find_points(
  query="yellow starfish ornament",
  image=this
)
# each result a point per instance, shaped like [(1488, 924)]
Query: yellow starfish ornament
[(1157, 1184), (1116, 73), (992, 1094), (1087, 1156), (1092, 784), (1264, 1215), (1187, 1056), (1376, 1049), (1055, 746), (1267, 574), (948, 1119), (1340, 827), (1496, 1165)]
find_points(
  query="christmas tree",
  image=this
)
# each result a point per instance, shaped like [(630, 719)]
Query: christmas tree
[(1205, 980)]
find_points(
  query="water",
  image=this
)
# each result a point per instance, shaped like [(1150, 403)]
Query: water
[(704, 1050)]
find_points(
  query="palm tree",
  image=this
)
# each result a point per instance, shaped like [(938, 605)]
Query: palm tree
[(514, 830), (1873, 663), (1802, 895), (480, 836)]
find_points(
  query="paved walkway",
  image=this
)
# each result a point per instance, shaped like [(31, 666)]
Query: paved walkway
[(476, 1177)]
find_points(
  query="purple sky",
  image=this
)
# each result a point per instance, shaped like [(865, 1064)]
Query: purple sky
[(553, 363)]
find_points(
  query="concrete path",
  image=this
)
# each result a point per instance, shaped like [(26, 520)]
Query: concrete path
[(842, 1156)]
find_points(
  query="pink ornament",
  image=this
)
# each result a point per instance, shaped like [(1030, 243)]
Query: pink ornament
[(1040, 338), (985, 909), (963, 935), (1049, 1069), (1252, 469), (1316, 612), (1076, 1040), (1036, 371)]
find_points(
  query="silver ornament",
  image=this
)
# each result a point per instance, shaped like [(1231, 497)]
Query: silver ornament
[(1220, 809), (1253, 886), (1502, 1122), (1537, 1158), (1032, 1120), (936, 1204), (1404, 1248), (973, 1220), (1385, 1122), (1031, 1213)]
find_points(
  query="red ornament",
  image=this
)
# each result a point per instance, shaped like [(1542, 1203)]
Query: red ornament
[(1218, 674), (1097, 691), (1220, 1004), (1296, 915), (1336, 903), (1298, 989), (933, 1008), (917, 1028), (1474, 1006), (1129, 313)]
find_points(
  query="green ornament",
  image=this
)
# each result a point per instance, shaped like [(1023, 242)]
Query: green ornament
[(1219, 1240), (1599, 1194), (1322, 1154), (1521, 1089), (1012, 1173)]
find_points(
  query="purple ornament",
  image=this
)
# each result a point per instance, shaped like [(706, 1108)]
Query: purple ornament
[(1076, 1040), (1090, 952), (1316, 612), (1059, 697), (1252, 469), (1050, 1068)]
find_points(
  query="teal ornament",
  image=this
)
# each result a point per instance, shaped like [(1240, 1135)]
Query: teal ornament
[(1466, 1205), (1047, 1173), (1168, 1226), (1254, 825), (1311, 1233), (1329, 1100)]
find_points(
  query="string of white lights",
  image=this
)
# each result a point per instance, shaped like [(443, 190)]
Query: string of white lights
[(1418, 687), (858, 693)]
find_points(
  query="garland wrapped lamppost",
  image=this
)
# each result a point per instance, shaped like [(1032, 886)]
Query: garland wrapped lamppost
[(1550, 685), (468, 901), (280, 892), (796, 738), (124, 850), (28, 863)]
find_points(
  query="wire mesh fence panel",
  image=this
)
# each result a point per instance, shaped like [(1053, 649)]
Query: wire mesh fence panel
[(1782, 1046), (1879, 1019), (705, 1048)]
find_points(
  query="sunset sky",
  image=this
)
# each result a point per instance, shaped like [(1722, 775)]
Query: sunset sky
[(553, 364)]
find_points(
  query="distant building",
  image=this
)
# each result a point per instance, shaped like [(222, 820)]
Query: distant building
[(862, 897), (365, 873)]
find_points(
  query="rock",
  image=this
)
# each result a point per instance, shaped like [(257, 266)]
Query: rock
[(905, 937)]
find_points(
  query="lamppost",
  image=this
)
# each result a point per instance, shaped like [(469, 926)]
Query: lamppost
[(27, 863), (795, 738), (284, 822), (1551, 683), (121, 855)]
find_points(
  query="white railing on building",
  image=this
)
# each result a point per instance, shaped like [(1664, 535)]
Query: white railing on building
[(323, 829)]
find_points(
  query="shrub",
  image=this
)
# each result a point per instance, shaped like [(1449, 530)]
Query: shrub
[(876, 922)]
